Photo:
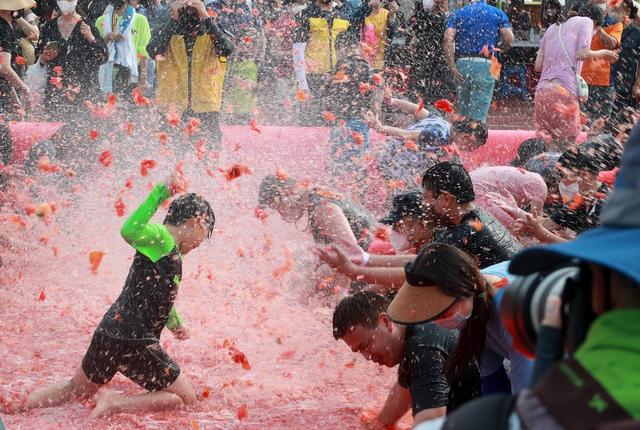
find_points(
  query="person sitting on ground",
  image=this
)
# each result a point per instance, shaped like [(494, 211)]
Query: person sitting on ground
[(444, 285), (420, 350), (582, 195), (448, 189), (331, 218), (127, 339)]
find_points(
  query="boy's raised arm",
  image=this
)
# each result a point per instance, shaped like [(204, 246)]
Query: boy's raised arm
[(152, 240)]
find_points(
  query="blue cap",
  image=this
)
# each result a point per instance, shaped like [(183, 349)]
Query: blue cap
[(616, 244)]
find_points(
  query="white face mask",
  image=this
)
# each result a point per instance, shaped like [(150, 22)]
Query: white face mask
[(298, 8), (427, 4), (399, 241), (67, 7), (602, 7), (456, 321), (568, 191)]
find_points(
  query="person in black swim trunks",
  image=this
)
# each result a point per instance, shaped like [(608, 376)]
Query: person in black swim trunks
[(127, 338)]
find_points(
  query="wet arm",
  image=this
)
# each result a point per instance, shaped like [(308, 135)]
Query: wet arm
[(539, 60), (7, 72), (450, 47), (152, 240), (222, 44), (409, 107), (387, 278), (400, 132), (174, 320), (390, 260), (96, 51), (330, 220), (397, 404), (31, 31)]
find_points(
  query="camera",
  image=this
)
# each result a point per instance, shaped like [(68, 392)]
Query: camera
[(523, 305)]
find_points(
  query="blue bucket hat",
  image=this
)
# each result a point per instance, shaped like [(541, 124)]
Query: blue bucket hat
[(616, 243)]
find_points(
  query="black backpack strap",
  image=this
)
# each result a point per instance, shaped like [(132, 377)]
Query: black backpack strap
[(485, 413), (576, 399)]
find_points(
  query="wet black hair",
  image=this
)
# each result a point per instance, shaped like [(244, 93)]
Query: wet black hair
[(270, 188), (577, 160), (633, 9), (189, 206), (477, 129), (362, 309), (548, 18), (606, 151), (528, 149), (592, 11), (449, 177)]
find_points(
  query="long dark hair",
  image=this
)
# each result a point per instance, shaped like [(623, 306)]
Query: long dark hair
[(457, 275)]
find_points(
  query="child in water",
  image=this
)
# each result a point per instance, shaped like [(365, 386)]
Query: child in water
[(127, 338)]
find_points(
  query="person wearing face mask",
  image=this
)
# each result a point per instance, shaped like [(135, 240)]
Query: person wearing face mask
[(331, 218), (191, 53), (445, 286), (412, 223), (419, 350), (448, 192), (582, 194), (72, 51), (127, 34)]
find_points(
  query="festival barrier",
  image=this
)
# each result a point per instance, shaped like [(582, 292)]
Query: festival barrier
[(273, 142)]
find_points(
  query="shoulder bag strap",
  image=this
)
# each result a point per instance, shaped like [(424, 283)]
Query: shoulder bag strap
[(576, 399), (564, 49)]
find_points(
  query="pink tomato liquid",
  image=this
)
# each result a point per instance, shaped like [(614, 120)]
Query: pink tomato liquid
[(300, 377)]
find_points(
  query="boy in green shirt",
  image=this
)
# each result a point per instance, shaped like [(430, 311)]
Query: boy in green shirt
[(127, 340)]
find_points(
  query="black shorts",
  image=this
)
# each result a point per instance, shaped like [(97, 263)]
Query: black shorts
[(142, 361)]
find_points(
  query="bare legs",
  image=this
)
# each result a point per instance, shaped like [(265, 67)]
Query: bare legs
[(77, 387), (175, 395), (179, 393)]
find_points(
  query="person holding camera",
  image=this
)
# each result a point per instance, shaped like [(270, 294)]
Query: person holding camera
[(10, 82), (591, 288), (191, 53)]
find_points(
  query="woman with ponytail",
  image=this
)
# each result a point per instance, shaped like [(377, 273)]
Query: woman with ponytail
[(444, 285)]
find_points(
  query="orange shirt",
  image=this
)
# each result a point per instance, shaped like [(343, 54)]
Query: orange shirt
[(598, 72)]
